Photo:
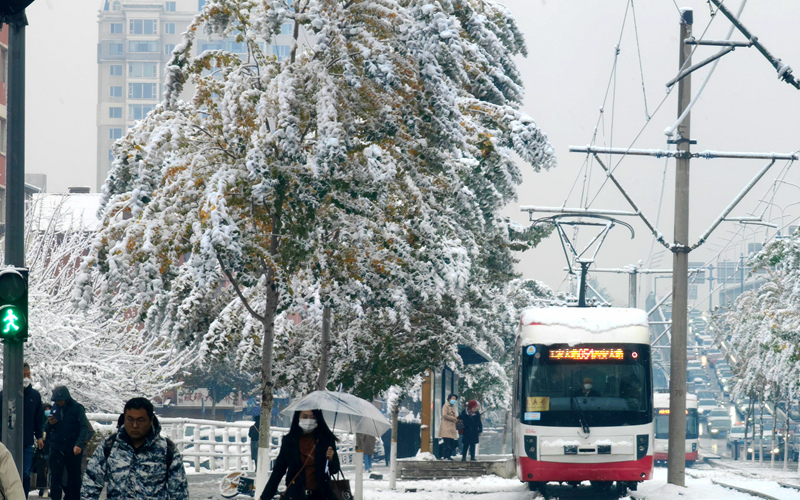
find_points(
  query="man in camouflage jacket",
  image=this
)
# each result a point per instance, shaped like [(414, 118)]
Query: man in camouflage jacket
[(136, 462)]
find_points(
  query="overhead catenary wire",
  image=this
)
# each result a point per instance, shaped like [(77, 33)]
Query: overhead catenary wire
[(639, 53), (671, 130)]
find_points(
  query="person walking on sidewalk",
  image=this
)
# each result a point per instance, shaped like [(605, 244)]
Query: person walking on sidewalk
[(447, 427), (366, 443), (136, 462), (67, 431), (32, 425), (472, 429)]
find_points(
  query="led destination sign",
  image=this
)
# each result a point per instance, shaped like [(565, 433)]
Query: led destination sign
[(587, 354)]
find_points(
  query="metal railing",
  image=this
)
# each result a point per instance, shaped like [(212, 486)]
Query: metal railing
[(216, 446)]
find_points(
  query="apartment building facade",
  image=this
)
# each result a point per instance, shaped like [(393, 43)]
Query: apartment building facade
[(136, 39)]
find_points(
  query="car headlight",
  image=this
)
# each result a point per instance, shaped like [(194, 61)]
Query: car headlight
[(749, 450), (776, 451), (714, 431)]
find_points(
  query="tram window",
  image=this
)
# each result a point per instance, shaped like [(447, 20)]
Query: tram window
[(553, 389)]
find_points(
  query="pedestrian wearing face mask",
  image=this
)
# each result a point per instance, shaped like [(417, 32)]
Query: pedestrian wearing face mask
[(447, 427), (307, 458), (32, 425), (473, 427)]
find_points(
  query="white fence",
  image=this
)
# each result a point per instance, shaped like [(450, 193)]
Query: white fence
[(215, 446)]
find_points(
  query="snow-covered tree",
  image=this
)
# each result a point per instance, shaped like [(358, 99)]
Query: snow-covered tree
[(369, 165), (100, 359), (764, 325)]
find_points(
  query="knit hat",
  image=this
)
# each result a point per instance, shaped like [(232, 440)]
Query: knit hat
[(472, 405)]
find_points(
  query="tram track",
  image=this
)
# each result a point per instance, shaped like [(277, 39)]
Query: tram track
[(792, 490)]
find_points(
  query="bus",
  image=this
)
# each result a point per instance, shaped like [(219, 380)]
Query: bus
[(661, 409), (583, 397)]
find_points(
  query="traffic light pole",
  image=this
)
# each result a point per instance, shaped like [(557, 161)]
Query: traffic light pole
[(15, 230)]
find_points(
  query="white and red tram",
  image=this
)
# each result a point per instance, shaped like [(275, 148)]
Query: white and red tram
[(583, 402), (661, 438)]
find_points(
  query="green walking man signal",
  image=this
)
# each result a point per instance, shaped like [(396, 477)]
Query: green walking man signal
[(14, 304)]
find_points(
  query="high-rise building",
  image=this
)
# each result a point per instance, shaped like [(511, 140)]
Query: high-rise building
[(136, 39)]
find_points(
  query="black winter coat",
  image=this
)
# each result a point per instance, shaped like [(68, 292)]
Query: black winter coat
[(289, 463), (72, 428), (32, 416), (472, 427)]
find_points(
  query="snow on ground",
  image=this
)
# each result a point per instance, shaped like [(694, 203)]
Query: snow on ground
[(495, 488)]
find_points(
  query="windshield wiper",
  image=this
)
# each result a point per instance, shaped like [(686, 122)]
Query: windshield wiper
[(584, 423)]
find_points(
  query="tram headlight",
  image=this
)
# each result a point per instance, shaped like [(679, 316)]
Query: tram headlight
[(530, 447), (642, 443), (714, 431), (749, 450), (776, 451)]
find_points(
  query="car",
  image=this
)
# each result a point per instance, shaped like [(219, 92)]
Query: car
[(794, 412), (719, 421), (705, 394), (768, 447), (714, 356), (706, 405)]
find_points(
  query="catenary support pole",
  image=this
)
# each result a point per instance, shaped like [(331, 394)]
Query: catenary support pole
[(632, 288), (15, 230), (676, 455)]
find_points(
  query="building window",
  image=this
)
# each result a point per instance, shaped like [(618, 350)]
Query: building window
[(170, 7), (143, 27), (282, 51), (142, 91), (286, 28), (169, 28), (168, 48), (3, 129), (115, 70), (115, 49), (111, 155), (4, 64), (143, 46), (212, 46), (115, 112), (116, 91), (142, 70), (236, 47), (116, 6), (139, 111), (116, 28), (114, 133)]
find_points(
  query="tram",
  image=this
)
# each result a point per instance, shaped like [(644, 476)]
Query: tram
[(661, 438), (583, 402)]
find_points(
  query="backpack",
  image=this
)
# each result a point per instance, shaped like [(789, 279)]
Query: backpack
[(109, 443)]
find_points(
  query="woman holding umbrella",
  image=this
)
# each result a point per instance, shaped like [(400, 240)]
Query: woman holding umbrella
[(307, 457)]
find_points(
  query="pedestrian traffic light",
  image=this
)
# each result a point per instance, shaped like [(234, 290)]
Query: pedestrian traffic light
[(14, 304)]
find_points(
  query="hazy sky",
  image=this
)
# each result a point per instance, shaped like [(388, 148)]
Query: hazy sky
[(571, 51)]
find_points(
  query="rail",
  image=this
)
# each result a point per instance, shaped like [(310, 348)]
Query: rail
[(229, 450)]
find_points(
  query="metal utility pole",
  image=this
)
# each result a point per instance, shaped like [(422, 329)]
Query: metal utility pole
[(680, 247), (15, 229), (676, 454)]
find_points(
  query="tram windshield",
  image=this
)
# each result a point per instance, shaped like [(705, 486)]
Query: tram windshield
[(586, 385), (662, 424)]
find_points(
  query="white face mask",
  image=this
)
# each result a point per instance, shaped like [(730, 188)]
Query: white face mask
[(26, 382), (587, 386), (308, 424)]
